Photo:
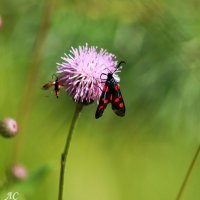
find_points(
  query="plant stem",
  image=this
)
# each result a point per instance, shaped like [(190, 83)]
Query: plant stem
[(66, 149), (188, 174), (32, 75)]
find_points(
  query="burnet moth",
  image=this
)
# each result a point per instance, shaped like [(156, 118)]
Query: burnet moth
[(111, 94), (56, 83)]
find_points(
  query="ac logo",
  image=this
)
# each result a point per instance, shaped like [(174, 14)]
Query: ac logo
[(12, 196)]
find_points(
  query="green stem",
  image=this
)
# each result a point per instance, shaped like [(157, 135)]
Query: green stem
[(32, 75), (66, 149), (188, 174)]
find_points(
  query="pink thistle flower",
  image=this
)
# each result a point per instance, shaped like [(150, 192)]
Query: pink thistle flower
[(81, 70), (8, 127)]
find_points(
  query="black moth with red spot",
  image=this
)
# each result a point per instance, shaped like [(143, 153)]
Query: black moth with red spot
[(111, 94)]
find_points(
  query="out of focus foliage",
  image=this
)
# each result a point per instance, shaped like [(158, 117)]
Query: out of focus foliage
[(142, 156)]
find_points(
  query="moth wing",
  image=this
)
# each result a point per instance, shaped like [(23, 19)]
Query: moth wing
[(48, 85), (103, 102), (117, 102)]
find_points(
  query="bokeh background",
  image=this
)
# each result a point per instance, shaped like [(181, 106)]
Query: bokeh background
[(143, 156)]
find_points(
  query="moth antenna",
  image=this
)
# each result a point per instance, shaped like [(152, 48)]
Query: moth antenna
[(120, 63), (101, 76), (100, 88)]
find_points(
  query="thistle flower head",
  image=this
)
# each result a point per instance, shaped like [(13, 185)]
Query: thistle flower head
[(81, 70), (8, 127)]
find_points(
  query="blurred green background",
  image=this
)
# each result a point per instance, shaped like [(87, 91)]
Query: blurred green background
[(143, 156)]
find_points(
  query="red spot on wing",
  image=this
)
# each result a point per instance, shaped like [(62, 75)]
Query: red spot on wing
[(101, 107), (116, 87), (116, 100), (105, 101), (121, 105)]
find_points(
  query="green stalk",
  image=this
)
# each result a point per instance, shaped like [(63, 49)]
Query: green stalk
[(181, 190), (32, 75), (66, 149)]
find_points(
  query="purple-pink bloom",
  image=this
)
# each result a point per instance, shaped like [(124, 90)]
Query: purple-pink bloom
[(81, 72)]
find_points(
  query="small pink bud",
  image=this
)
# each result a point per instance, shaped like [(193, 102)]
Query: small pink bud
[(8, 127), (1, 22), (19, 172)]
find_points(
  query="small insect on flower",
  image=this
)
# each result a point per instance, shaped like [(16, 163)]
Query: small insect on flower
[(56, 83), (111, 94)]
